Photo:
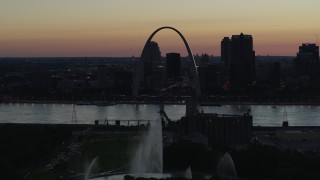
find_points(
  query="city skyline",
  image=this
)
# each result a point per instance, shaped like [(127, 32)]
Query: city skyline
[(120, 28)]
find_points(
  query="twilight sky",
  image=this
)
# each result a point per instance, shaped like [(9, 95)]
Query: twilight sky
[(121, 27)]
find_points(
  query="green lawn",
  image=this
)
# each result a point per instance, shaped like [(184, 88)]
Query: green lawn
[(113, 150)]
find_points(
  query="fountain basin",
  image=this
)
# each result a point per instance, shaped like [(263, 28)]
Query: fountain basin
[(143, 175)]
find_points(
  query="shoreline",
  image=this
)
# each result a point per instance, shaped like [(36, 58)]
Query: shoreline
[(123, 127), (203, 103)]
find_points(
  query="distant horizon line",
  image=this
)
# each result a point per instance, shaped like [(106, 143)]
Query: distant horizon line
[(118, 57)]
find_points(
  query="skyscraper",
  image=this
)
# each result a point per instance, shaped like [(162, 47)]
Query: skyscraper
[(242, 61), (307, 62), (225, 52), (173, 66), (208, 78), (274, 76), (309, 50), (152, 56), (204, 60)]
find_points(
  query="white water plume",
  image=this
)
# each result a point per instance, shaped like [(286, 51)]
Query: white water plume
[(86, 176), (226, 168), (148, 157)]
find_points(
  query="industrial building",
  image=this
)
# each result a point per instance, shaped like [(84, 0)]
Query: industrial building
[(219, 128)]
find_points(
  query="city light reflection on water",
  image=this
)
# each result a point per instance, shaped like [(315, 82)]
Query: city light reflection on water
[(263, 115)]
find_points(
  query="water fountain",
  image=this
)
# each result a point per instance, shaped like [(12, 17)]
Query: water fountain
[(86, 176), (147, 161), (226, 168), (149, 154), (188, 173)]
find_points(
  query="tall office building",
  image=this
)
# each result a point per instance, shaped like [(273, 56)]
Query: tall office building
[(307, 62), (274, 76), (173, 66), (152, 56), (204, 60), (225, 52), (242, 61), (207, 78), (309, 50)]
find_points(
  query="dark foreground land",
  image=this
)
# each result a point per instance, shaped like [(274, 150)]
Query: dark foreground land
[(33, 151), (42, 151)]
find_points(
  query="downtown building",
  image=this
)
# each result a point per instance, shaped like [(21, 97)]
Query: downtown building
[(226, 52), (208, 76), (173, 66), (218, 128), (239, 60), (152, 58), (153, 69), (306, 63)]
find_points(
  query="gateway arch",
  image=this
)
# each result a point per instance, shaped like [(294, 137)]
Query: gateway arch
[(139, 68)]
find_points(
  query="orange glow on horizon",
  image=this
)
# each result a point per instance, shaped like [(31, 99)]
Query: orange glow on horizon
[(125, 44), (120, 28)]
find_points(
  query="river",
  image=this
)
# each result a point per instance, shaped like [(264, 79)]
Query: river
[(263, 115)]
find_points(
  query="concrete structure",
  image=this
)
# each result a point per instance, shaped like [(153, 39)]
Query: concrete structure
[(219, 128), (225, 129), (298, 135)]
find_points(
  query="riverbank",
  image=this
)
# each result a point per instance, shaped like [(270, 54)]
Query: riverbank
[(125, 127), (202, 103)]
